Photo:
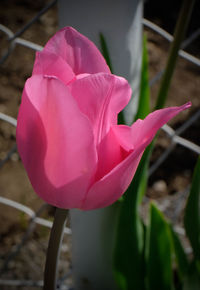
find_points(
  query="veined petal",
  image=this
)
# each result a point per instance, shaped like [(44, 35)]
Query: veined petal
[(109, 189), (50, 64), (110, 154), (135, 138), (101, 97), (56, 142), (78, 51), (144, 130)]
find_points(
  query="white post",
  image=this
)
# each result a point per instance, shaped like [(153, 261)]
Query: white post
[(93, 234), (120, 21)]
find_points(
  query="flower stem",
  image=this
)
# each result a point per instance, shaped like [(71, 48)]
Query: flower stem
[(55, 241), (180, 30)]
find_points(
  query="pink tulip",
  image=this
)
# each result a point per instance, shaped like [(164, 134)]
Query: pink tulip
[(75, 154)]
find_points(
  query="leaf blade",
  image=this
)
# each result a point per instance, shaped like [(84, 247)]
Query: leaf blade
[(192, 212), (158, 252), (144, 97), (180, 255), (105, 51)]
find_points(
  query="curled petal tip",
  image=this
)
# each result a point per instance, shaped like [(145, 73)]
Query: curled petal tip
[(186, 106)]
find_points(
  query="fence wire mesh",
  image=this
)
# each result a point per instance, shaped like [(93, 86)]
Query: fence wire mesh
[(171, 136)]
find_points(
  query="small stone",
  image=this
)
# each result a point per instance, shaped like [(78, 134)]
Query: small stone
[(15, 157), (160, 186)]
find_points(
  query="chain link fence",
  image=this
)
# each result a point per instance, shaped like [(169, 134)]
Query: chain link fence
[(173, 136)]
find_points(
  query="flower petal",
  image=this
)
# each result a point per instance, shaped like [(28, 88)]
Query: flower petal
[(144, 130), (109, 189), (56, 142), (135, 138), (110, 154), (50, 64), (78, 51), (101, 97)]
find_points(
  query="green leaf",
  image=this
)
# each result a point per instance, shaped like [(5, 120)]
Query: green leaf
[(192, 280), (158, 252), (129, 250), (121, 120), (192, 212), (180, 255), (105, 52), (179, 33), (144, 97), (129, 265)]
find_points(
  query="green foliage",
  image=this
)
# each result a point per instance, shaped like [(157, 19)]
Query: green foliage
[(192, 226), (104, 50), (158, 252), (129, 250), (180, 255), (192, 213), (192, 280), (129, 263), (180, 30), (152, 257), (144, 97), (158, 241)]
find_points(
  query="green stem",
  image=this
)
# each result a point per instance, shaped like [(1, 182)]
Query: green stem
[(180, 30), (55, 241)]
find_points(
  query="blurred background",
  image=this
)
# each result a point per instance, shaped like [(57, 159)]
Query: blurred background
[(22, 243)]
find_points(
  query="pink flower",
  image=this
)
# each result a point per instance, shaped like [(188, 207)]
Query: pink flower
[(75, 154)]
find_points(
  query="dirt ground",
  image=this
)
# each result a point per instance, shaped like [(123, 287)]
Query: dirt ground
[(168, 183)]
